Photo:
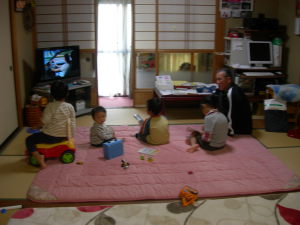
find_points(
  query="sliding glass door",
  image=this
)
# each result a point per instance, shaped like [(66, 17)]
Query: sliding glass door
[(114, 47)]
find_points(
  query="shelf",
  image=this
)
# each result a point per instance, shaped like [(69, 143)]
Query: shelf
[(262, 77), (83, 111), (248, 69), (77, 93)]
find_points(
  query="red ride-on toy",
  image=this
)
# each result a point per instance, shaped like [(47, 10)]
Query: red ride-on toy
[(65, 151)]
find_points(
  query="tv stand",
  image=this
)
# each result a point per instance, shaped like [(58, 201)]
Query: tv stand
[(79, 96)]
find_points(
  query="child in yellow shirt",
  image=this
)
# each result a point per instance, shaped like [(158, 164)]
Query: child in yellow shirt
[(155, 129)]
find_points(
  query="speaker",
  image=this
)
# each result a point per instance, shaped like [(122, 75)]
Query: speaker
[(252, 23), (260, 23)]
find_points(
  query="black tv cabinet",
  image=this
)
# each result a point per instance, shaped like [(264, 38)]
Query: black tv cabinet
[(79, 96)]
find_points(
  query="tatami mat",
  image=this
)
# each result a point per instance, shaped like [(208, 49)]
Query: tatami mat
[(275, 139), (16, 176), (16, 146), (124, 116), (290, 157), (4, 217)]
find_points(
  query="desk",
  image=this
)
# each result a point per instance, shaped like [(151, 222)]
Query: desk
[(180, 96)]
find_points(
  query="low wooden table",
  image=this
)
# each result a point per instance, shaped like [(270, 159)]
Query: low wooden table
[(179, 97)]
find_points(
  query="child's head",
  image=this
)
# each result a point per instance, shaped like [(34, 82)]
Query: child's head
[(99, 114), (59, 90), (154, 106), (208, 103)]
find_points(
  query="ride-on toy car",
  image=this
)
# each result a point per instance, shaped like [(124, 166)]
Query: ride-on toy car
[(65, 151)]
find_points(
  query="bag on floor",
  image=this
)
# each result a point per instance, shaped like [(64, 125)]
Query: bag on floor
[(275, 116)]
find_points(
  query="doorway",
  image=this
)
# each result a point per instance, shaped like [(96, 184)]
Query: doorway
[(114, 31)]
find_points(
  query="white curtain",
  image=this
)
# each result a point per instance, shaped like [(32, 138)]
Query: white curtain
[(114, 47)]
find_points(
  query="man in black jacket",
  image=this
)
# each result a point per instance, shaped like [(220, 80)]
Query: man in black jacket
[(233, 103)]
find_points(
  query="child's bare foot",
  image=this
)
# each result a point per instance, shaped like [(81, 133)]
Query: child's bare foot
[(189, 129), (193, 148), (188, 141), (41, 159)]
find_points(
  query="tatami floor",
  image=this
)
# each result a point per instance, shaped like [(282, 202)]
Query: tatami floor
[(16, 176)]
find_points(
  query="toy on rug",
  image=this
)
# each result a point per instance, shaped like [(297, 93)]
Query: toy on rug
[(113, 149), (188, 195), (149, 152), (124, 164), (150, 159)]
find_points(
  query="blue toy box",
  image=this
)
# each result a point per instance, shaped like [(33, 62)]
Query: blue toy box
[(113, 149)]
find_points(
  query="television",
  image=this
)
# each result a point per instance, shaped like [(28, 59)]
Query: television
[(260, 53), (57, 63)]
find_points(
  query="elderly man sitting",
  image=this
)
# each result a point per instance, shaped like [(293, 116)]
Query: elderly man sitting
[(233, 103)]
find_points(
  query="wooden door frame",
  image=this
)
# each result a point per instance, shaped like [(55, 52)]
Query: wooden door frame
[(16, 70), (218, 61)]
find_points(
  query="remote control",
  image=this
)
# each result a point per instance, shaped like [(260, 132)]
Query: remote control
[(138, 118)]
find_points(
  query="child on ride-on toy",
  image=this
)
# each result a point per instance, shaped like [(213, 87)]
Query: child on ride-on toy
[(55, 122)]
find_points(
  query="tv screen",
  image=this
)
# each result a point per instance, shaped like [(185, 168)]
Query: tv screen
[(260, 52), (57, 63)]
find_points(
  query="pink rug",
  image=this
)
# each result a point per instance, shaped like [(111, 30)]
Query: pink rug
[(115, 102), (244, 167)]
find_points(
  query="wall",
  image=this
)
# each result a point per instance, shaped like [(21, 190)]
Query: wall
[(88, 72), (286, 16), (267, 7), (284, 11), (281, 9), (26, 64)]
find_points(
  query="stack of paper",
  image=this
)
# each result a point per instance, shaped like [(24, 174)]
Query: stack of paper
[(148, 151), (164, 82)]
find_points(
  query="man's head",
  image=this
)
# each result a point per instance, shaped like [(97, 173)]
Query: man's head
[(59, 90), (224, 78)]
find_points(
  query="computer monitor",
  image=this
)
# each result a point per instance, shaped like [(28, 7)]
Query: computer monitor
[(260, 53)]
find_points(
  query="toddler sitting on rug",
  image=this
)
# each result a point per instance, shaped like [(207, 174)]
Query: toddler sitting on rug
[(100, 132), (155, 129), (214, 132)]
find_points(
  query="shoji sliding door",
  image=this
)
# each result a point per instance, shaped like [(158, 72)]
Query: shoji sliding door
[(175, 24), (65, 22), (175, 37)]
